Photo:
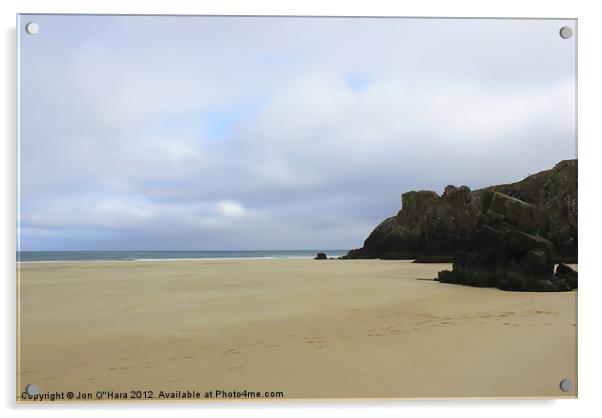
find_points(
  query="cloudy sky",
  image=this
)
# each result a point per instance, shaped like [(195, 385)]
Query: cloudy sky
[(274, 133)]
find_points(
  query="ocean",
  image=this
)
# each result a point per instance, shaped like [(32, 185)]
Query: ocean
[(168, 255)]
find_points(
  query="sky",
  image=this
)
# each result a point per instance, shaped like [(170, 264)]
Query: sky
[(239, 133)]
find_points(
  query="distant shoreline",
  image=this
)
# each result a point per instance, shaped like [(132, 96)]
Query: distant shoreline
[(141, 260), (103, 256)]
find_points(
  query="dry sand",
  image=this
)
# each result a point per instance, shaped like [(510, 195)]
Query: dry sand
[(310, 329)]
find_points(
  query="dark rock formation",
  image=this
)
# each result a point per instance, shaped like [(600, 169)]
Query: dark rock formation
[(555, 193), (506, 253), (321, 256), (427, 225), (433, 227)]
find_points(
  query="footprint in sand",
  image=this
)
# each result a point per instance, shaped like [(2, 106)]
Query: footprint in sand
[(315, 340)]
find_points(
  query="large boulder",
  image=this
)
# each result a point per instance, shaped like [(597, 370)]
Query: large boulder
[(566, 273), (522, 215), (504, 256)]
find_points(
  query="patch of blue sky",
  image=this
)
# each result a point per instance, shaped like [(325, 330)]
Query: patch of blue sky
[(358, 82), (219, 123)]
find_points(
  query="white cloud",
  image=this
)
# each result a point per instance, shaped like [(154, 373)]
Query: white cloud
[(230, 209)]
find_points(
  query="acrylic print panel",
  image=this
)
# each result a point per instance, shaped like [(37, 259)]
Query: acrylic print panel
[(274, 208)]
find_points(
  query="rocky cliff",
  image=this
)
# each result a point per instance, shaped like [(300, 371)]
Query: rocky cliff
[(555, 193), (430, 227)]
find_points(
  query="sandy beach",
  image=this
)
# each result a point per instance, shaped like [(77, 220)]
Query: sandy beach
[(308, 329)]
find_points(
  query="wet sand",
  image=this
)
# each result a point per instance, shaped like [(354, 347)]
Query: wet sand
[(306, 328)]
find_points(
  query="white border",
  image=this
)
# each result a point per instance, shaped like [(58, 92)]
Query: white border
[(590, 293)]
